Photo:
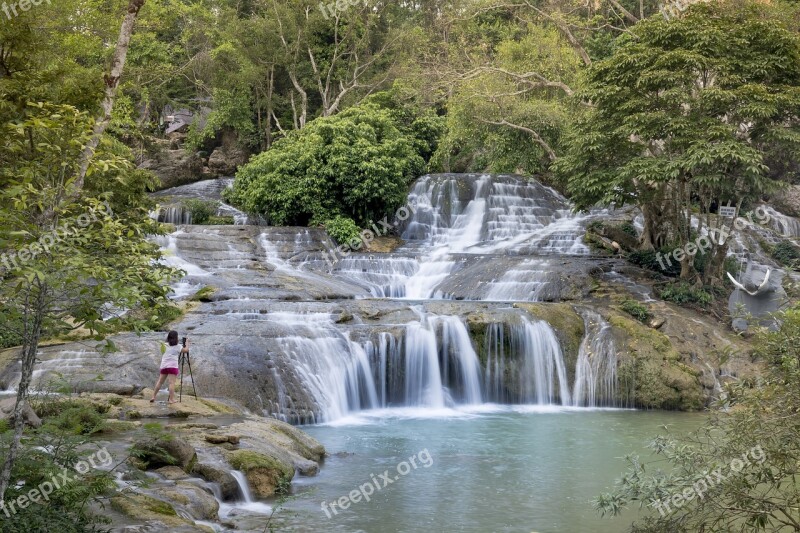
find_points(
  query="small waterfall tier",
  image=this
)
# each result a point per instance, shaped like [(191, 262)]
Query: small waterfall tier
[(433, 362), (596, 368), (172, 209)]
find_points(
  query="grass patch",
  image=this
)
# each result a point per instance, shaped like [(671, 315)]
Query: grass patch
[(636, 310), (683, 293)]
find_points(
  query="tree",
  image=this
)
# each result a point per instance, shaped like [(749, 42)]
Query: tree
[(71, 262), (684, 114), (358, 163)]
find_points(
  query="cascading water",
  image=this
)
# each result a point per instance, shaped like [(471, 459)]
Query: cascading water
[(523, 283), (333, 369), (432, 365), (530, 353), (596, 368), (441, 370), (458, 216)]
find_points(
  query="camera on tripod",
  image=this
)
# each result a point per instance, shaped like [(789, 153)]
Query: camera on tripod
[(183, 342)]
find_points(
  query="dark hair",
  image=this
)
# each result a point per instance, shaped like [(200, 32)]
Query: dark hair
[(172, 338)]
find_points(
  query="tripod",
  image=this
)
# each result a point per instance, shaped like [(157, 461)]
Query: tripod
[(184, 359)]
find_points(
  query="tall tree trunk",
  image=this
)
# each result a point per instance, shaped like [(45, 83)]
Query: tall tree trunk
[(30, 346), (111, 83)]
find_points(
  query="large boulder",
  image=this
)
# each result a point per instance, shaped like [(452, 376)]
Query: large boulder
[(175, 166), (165, 451), (199, 503), (228, 486), (142, 507), (224, 161), (7, 412)]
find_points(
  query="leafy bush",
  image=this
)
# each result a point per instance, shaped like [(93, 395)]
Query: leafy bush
[(82, 420), (68, 509), (200, 210), (342, 229), (786, 254), (636, 310), (10, 328), (683, 293), (358, 164), (629, 228), (649, 259)]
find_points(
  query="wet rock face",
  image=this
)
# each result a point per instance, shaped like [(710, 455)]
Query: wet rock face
[(7, 413), (228, 486)]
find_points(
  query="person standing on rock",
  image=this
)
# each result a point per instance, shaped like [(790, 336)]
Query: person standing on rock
[(169, 365)]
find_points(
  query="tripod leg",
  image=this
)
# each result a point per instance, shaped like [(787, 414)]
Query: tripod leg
[(180, 393), (194, 389)]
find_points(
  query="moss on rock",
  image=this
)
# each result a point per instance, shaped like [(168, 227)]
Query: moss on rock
[(651, 372), (265, 474), (142, 507)]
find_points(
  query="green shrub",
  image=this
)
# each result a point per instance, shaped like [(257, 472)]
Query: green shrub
[(636, 310), (79, 420), (343, 230), (10, 328), (200, 210), (629, 228), (358, 164), (70, 508), (683, 293), (786, 254), (649, 259)]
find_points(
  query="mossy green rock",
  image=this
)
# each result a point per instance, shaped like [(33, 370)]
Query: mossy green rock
[(651, 372), (166, 451), (264, 474), (142, 507)]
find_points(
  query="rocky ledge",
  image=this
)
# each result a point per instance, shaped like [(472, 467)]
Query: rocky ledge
[(198, 464)]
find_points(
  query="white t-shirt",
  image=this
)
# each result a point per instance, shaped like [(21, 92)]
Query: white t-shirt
[(170, 357)]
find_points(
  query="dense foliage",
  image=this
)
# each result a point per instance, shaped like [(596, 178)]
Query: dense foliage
[(685, 114), (357, 164)]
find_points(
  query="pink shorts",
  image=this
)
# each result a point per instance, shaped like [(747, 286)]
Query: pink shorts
[(169, 371)]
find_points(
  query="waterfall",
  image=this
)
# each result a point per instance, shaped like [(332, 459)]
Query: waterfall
[(333, 369), (596, 367), (787, 226), (244, 487), (432, 365), (531, 354), (423, 379), (457, 219), (440, 370)]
